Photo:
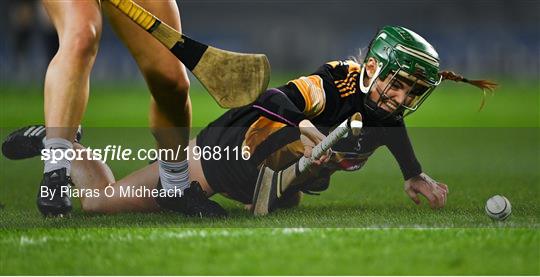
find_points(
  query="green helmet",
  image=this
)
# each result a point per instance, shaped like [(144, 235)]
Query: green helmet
[(402, 52)]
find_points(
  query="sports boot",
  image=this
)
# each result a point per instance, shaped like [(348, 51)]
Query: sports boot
[(193, 202), (56, 201), (27, 142)]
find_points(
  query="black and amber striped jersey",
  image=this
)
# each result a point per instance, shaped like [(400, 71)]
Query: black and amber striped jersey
[(342, 97), (328, 96)]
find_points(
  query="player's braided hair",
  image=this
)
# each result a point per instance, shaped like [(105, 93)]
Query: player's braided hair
[(485, 85)]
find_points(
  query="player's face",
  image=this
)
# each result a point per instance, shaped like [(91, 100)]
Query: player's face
[(395, 91)]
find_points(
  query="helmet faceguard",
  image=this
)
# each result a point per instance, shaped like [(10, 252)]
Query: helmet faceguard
[(409, 61)]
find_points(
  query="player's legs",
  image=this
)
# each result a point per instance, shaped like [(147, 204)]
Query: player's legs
[(170, 111), (89, 174), (165, 75), (95, 175), (78, 24)]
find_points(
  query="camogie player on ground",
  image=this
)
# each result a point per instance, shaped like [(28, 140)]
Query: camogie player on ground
[(400, 71)]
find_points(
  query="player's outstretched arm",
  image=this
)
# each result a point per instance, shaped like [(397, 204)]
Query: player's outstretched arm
[(435, 192)]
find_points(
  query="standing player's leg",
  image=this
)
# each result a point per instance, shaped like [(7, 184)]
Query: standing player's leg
[(170, 111), (78, 24), (166, 77)]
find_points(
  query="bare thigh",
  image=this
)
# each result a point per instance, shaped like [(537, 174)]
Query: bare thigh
[(165, 75), (156, 62), (78, 24), (95, 175)]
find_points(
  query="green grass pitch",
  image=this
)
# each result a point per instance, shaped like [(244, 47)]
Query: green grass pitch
[(363, 224)]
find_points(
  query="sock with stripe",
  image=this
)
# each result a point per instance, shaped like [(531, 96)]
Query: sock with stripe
[(174, 175), (57, 144)]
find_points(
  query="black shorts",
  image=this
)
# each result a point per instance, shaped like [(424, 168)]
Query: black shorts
[(236, 177)]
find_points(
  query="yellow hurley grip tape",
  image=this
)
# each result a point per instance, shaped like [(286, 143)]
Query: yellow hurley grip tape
[(137, 13)]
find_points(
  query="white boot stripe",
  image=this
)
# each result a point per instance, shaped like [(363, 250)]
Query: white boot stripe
[(36, 130), (28, 131), (40, 132)]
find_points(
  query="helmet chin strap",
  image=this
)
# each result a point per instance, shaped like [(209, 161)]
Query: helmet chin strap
[(363, 88)]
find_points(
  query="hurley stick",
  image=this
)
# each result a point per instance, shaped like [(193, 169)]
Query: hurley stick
[(233, 79), (271, 184)]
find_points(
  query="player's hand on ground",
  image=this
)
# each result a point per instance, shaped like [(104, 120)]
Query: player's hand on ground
[(435, 192), (310, 136)]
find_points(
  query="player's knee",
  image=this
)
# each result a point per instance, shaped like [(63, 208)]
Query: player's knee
[(82, 44), (168, 85)]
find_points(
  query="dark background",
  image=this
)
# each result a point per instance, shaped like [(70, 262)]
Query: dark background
[(497, 38)]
